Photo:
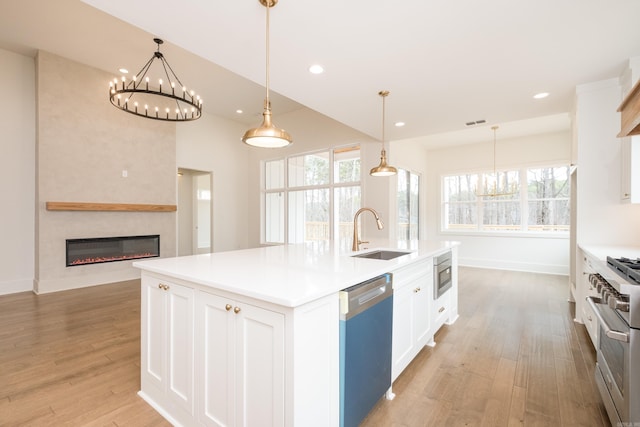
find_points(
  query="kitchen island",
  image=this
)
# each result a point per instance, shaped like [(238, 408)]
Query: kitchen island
[(251, 337)]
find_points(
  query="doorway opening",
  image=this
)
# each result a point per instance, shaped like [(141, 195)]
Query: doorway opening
[(195, 207)]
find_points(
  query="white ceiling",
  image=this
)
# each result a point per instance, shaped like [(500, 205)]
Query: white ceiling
[(445, 62)]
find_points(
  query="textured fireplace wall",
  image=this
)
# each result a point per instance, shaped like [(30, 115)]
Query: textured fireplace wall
[(83, 146)]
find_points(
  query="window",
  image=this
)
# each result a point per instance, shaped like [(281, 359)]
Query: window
[(408, 198), (316, 201), (540, 205)]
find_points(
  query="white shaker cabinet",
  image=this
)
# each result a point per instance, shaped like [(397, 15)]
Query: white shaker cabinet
[(240, 355), (214, 358), (413, 290), (167, 369)]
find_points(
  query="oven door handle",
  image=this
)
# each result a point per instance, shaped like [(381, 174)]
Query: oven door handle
[(611, 333)]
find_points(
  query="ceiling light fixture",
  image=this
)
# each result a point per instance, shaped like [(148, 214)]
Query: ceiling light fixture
[(541, 95), (267, 135), (316, 69), (493, 186), (383, 169), (139, 97)]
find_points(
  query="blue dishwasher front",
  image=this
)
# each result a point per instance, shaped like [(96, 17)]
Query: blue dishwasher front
[(366, 318)]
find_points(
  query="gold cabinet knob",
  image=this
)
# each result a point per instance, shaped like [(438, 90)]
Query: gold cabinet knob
[(236, 310), (163, 286), (227, 307), (416, 290), (441, 310)]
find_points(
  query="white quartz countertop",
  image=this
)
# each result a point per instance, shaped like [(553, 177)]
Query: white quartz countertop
[(291, 275), (600, 253)]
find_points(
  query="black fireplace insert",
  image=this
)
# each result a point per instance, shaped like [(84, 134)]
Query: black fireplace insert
[(109, 249)]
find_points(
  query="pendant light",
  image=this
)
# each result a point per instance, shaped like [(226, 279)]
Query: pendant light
[(267, 135), (494, 189), (383, 169)]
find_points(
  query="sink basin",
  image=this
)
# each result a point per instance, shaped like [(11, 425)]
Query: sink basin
[(381, 254)]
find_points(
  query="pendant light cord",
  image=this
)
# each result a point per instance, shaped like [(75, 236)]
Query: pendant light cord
[(266, 100)]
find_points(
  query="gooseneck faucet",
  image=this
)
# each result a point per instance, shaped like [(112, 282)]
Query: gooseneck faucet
[(356, 240)]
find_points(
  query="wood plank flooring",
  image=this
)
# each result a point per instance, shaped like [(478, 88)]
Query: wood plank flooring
[(514, 357)]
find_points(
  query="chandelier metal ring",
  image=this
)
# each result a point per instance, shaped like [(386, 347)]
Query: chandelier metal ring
[(137, 96)]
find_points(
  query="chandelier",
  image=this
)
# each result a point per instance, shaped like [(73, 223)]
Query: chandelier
[(493, 185), (170, 100), (267, 135), (383, 169)]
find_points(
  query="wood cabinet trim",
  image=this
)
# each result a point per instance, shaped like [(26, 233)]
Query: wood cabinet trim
[(630, 113), (104, 207)]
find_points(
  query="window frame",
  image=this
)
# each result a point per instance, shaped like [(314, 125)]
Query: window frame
[(523, 200), (286, 189), (409, 174)]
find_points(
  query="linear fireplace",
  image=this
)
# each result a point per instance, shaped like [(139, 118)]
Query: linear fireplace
[(109, 249)]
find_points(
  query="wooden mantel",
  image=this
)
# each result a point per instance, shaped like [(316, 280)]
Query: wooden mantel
[(120, 207), (630, 109)]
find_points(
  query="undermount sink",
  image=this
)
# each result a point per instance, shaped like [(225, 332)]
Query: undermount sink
[(381, 254)]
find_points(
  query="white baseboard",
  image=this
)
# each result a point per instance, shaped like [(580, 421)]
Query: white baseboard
[(562, 270)]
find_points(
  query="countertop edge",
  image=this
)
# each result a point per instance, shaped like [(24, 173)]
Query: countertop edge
[(321, 285)]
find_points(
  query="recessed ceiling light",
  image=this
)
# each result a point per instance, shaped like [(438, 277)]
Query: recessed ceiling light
[(399, 124), (316, 69), (541, 95), (123, 70), (239, 111)]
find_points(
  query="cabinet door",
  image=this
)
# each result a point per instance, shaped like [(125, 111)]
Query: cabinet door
[(402, 348), (167, 342), (215, 360), (422, 312), (180, 363), (260, 366), (153, 357)]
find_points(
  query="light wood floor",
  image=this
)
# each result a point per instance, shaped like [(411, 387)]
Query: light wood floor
[(514, 357)]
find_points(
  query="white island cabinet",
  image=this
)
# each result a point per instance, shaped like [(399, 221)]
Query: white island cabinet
[(251, 337)]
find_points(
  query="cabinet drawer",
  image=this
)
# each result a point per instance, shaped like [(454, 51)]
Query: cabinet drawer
[(591, 323), (409, 273)]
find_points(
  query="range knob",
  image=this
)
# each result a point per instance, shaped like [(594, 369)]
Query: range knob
[(618, 303)]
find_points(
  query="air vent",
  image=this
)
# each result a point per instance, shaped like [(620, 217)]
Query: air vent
[(477, 122)]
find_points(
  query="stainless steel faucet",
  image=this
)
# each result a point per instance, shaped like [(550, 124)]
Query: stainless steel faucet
[(356, 240)]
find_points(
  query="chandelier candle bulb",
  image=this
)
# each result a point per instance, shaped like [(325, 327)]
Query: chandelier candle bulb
[(140, 96)]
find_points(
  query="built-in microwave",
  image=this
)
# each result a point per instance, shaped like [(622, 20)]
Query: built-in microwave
[(442, 280)]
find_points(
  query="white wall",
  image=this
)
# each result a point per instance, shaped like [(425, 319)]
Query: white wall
[(213, 144), (17, 162), (547, 255), (602, 219)]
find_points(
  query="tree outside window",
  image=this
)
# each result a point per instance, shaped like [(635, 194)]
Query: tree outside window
[(542, 205)]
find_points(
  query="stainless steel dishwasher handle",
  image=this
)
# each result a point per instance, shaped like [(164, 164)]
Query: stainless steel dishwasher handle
[(611, 333), (372, 294)]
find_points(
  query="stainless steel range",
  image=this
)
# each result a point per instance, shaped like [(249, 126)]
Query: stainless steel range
[(617, 371)]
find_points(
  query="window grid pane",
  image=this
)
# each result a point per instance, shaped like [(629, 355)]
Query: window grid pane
[(347, 201), (308, 170), (346, 165), (274, 217), (545, 198)]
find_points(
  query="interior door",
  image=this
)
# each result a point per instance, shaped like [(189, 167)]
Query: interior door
[(195, 207)]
